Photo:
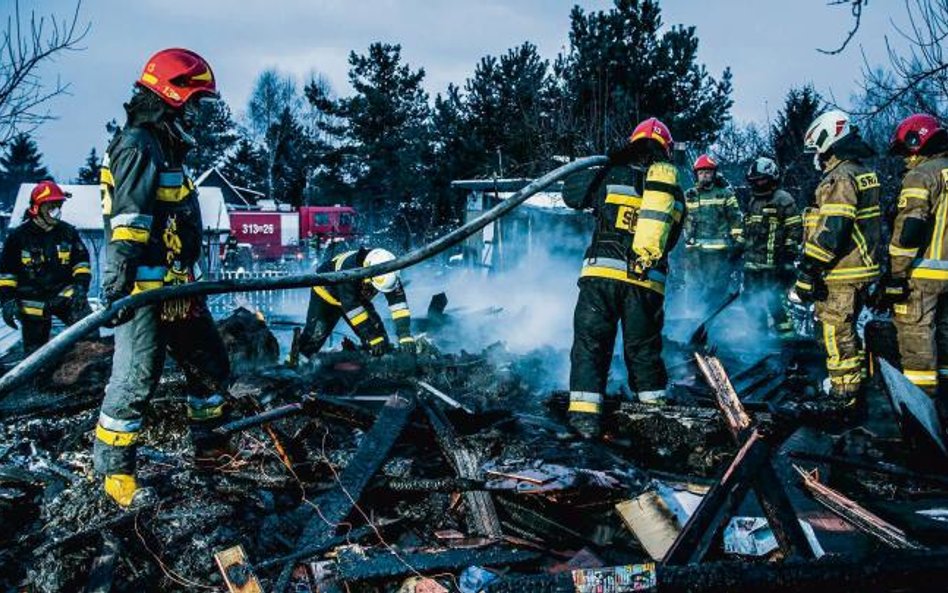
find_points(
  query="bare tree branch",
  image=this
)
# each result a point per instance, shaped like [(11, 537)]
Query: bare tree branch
[(856, 7), (23, 50)]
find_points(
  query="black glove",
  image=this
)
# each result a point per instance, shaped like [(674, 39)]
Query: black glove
[(891, 291), (124, 315), (639, 268), (79, 303), (380, 348), (810, 285), (10, 312)]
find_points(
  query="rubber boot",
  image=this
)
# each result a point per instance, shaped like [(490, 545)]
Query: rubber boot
[(124, 490)]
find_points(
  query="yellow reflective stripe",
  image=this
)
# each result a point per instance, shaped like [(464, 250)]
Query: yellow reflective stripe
[(401, 313), (324, 294), (34, 311), (925, 378), (845, 210), (793, 220), (938, 234), (870, 212), (817, 252), (81, 270), (114, 438), (8, 282), (804, 285), (708, 202), (377, 340), (360, 318), (928, 274), (860, 240), (829, 341), (105, 176), (737, 231), (858, 273), (406, 340), (623, 200), (173, 194), (584, 407), (127, 233), (917, 193), (902, 251), (145, 285), (612, 274), (845, 364)]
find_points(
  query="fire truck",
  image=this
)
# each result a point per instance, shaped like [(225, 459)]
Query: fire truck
[(280, 236)]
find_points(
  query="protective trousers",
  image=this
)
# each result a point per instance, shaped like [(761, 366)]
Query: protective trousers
[(36, 328), (837, 316), (765, 293), (140, 347), (707, 279), (602, 305), (321, 318), (922, 326)]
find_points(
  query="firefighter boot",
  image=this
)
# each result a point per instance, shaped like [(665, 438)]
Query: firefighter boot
[(124, 490), (587, 425)]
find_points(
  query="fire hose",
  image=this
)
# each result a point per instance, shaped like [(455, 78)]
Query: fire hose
[(71, 335)]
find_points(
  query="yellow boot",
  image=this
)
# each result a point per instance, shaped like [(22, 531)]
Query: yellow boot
[(124, 490)]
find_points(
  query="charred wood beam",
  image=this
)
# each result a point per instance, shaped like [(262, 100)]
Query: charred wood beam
[(879, 467), (355, 567), (311, 406), (353, 536), (903, 571), (854, 514), (482, 515), (335, 505)]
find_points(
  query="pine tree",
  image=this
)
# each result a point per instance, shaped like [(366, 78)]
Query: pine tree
[(215, 133), (246, 167), (621, 68), (89, 172), (20, 163), (288, 151), (801, 107)]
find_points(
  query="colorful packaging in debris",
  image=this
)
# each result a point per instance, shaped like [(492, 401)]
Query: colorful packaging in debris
[(616, 579)]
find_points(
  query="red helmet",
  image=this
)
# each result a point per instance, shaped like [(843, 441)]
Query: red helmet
[(913, 133), (45, 191), (177, 74), (652, 129), (705, 162)]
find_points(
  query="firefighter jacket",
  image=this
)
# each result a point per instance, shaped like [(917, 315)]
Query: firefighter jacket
[(637, 227), (714, 220), (355, 300), (152, 215), (842, 227), (38, 265), (918, 249), (772, 231)]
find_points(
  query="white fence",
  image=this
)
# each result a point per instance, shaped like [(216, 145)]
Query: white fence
[(270, 302)]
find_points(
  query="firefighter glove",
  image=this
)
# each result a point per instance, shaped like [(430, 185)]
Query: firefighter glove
[(10, 311), (379, 348), (810, 285), (639, 268), (124, 314), (79, 303), (407, 346)]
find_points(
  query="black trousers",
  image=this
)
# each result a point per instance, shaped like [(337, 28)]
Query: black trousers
[(603, 305), (36, 328), (321, 318)]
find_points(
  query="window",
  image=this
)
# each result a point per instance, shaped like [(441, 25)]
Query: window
[(321, 218), (345, 219)]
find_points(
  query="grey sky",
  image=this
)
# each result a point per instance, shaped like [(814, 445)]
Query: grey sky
[(769, 45)]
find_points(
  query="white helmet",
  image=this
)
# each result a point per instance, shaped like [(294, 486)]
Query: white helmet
[(825, 131), (384, 282), (763, 167)]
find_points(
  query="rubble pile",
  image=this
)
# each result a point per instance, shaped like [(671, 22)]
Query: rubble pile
[(456, 472)]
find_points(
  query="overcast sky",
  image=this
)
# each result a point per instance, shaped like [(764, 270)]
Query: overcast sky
[(770, 45)]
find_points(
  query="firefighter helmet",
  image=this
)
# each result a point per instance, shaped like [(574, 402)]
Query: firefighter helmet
[(826, 130), (382, 282), (176, 75), (705, 163), (763, 168), (45, 191), (914, 132), (655, 130)]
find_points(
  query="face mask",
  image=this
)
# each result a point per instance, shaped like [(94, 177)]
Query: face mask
[(54, 213)]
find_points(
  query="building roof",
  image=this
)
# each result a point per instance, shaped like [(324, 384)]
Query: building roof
[(84, 209)]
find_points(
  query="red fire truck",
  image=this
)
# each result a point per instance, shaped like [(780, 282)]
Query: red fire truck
[(275, 235)]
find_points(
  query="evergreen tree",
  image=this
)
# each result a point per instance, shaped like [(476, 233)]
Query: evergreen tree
[(20, 163), (288, 151), (89, 172), (801, 107), (621, 68), (246, 167), (215, 133)]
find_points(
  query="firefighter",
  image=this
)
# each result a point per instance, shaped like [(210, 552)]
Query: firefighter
[(712, 231), (353, 302), (153, 230), (44, 269), (772, 230), (622, 281), (918, 255), (839, 252)]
